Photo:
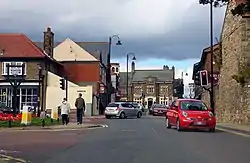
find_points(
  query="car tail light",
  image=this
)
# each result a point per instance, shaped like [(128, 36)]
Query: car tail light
[(117, 109)]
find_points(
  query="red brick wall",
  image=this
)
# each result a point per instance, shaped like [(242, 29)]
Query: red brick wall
[(83, 72)]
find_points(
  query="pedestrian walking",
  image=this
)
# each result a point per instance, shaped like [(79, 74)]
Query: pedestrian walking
[(65, 110), (80, 108)]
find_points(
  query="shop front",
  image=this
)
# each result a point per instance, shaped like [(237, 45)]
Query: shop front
[(26, 95)]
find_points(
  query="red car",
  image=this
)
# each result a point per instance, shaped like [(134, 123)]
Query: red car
[(190, 114), (159, 109)]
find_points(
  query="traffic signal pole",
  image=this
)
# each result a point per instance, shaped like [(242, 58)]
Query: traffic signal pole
[(66, 88)]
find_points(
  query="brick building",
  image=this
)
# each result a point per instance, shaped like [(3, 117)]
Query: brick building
[(18, 49), (205, 64), (88, 65)]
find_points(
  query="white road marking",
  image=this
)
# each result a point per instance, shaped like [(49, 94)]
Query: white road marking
[(233, 132)]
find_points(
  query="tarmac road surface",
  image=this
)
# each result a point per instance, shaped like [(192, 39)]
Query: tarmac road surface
[(144, 140)]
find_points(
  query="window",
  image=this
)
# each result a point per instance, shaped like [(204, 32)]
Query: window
[(29, 96), (126, 105), (113, 105), (193, 105), (13, 70), (150, 89), (3, 95), (137, 89), (164, 89), (138, 100)]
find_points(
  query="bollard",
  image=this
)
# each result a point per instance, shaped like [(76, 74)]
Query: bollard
[(9, 123), (43, 116), (43, 122)]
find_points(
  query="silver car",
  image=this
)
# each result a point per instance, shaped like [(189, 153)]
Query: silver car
[(122, 110)]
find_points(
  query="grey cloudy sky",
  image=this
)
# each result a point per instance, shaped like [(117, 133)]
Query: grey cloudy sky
[(168, 29)]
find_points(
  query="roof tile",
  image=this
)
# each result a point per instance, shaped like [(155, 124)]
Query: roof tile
[(19, 45)]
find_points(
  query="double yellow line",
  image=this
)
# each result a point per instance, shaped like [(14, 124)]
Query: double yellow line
[(9, 158)]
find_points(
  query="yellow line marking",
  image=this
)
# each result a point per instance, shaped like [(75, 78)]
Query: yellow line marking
[(13, 158), (233, 132)]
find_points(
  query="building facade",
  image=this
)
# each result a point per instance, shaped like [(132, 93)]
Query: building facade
[(18, 49), (115, 77), (149, 86), (85, 63)]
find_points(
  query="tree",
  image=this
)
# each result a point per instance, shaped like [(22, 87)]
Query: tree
[(216, 3)]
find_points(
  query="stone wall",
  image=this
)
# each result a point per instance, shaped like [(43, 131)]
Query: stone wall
[(233, 102)]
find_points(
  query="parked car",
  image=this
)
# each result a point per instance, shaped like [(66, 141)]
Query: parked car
[(190, 114), (159, 109), (139, 106), (150, 112), (122, 110)]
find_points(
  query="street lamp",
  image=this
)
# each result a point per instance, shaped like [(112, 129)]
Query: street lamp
[(108, 77), (133, 59), (210, 2), (211, 57)]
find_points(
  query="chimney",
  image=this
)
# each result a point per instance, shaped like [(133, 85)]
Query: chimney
[(48, 42), (173, 70), (165, 67)]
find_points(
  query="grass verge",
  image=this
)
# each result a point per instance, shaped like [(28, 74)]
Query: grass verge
[(34, 122)]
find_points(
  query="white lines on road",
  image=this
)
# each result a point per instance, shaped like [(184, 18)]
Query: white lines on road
[(7, 151), (233, 132), (156, 133), (126, 130), (10, 158)]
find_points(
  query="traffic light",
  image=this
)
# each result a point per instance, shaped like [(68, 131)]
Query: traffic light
[(204, 78), (62, 83)]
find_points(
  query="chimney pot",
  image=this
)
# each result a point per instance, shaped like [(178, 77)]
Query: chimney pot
[(48, 42)]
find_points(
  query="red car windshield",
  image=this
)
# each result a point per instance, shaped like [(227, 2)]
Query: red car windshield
[(193, 105), (160, 106)]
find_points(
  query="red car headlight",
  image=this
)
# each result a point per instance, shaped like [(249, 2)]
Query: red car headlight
[(211, 114), (185, 114)]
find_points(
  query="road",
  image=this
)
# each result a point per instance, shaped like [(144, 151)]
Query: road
[(143, 140)]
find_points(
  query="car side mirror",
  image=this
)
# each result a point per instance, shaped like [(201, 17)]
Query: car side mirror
[(174, 107)]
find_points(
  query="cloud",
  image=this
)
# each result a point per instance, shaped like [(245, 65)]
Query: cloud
[(169, 29)]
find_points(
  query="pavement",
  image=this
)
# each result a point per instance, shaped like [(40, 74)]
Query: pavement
[(144, 140)]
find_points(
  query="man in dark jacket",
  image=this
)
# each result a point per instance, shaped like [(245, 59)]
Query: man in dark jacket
[(80, 108)]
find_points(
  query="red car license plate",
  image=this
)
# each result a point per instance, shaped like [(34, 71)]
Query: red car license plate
[(200, 123)]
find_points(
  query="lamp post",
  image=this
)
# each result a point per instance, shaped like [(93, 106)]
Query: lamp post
[(108, 75), (40, 86), (211, 57), (127, 69), (212, 3)]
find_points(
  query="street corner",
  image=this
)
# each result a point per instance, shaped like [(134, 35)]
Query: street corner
[(11, 159), (80, 127)]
